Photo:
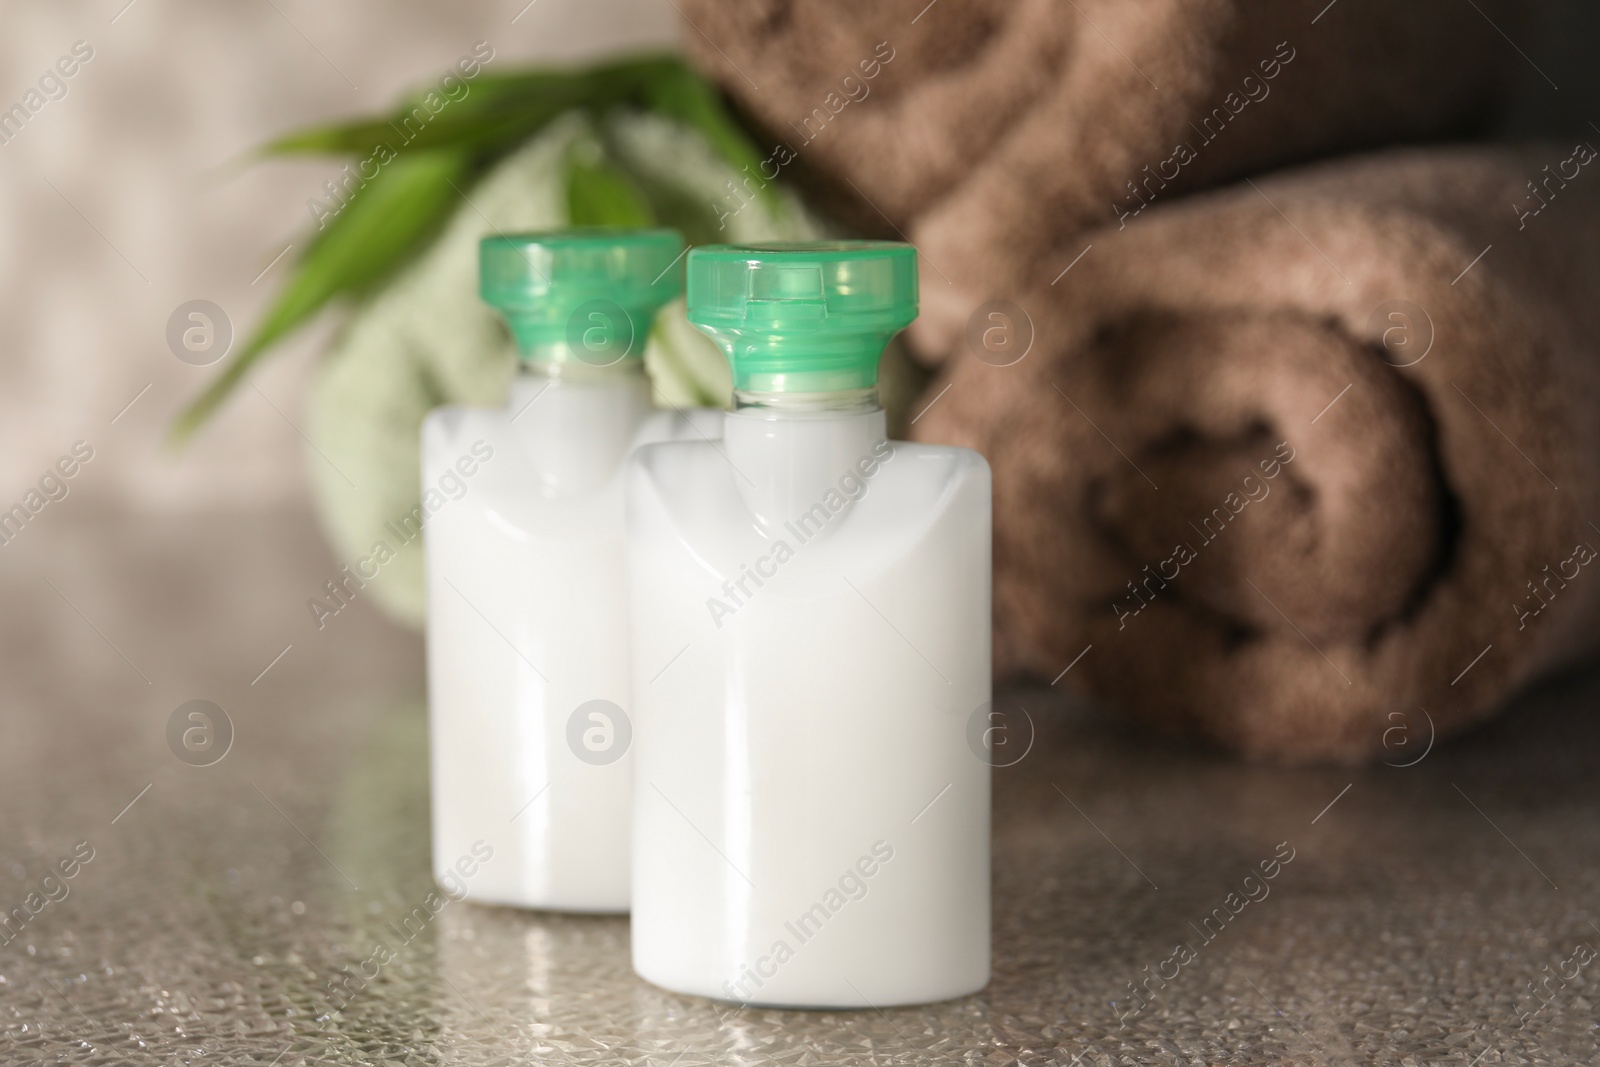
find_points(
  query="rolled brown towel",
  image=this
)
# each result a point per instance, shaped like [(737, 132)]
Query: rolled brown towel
[(991, 131), (1305, 461)]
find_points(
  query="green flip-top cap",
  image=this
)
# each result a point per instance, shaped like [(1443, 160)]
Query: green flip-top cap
[(591, 294), (803, 318)]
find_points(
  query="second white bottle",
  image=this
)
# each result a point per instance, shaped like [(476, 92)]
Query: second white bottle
[(810, 607), (529, 699)]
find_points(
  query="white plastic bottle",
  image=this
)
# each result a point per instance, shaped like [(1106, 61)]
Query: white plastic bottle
[(810, 612), (529, 703)]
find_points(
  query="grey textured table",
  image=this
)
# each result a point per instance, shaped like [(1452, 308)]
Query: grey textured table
[(225, 907)]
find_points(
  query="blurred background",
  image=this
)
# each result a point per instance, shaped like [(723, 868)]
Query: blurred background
[(223, 899), (134, 193)]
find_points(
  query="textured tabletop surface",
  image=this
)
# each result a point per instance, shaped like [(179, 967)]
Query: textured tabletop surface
[(1439, 913)]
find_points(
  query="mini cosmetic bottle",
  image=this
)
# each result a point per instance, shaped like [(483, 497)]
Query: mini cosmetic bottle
[(530, 706), (810, 618)]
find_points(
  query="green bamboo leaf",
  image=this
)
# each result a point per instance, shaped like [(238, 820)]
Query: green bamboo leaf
[(445, 143), (486, 127), (378, 228), (677, 91), (602, 194), (497, 111), (485, 95), (669, 203)]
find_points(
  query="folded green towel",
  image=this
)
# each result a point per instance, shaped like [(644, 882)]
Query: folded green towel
[(426, 340)]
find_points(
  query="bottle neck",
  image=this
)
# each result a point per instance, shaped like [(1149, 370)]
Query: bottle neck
[(807, 405), (557, 362), (574, 422), (794, 451)]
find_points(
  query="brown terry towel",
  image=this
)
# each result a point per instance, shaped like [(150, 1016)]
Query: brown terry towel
[(1311, 466), (992, 131)]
